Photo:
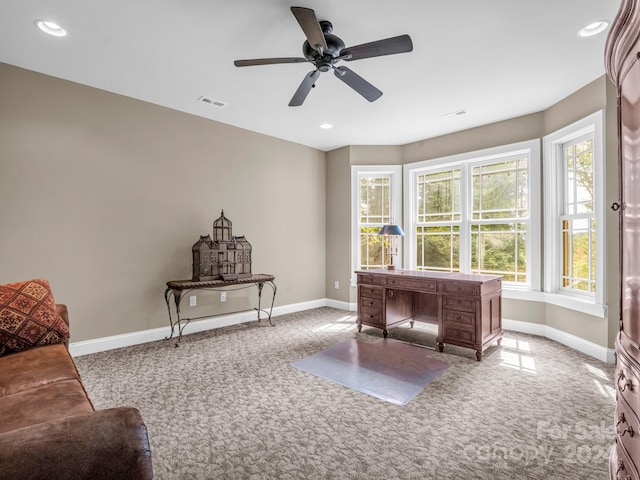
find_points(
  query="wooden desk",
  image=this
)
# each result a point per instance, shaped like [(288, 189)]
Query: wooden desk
[(466, 307), (180, 288)]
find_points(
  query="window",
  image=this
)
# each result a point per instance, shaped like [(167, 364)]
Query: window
[(574, 213), (377, 200), (438, 221), (474, 213), (500, 218)]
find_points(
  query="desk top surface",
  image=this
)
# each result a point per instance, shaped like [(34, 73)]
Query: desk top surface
[(187, 284), (457, 276)]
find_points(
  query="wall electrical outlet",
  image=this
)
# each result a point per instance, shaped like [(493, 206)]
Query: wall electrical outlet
[(223, 296), (192, 301), (336, 285)]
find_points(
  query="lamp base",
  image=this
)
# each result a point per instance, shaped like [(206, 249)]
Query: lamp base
[(391, 267)]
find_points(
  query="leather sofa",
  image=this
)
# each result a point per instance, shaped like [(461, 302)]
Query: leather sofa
[(49, 429)]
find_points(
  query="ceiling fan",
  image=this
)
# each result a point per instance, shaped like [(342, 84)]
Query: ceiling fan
[(324, 50)]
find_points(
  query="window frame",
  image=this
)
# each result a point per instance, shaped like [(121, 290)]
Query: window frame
[(466, 161), (553, 163), (394, 173)]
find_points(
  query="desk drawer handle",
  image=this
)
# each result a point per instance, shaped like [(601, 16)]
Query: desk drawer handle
[(391, 293), (626, 384), (370, 304)]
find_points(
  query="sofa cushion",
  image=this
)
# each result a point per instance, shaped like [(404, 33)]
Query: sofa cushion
[(42, 404), (35, 367), (28, 316), (103, 445)]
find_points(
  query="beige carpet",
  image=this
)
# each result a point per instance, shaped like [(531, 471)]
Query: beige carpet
[(228, 404)]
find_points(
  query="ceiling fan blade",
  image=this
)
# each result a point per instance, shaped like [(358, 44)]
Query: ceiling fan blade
[(304, 89), (268, 61), (358, 83), (388, 46), (311, 27)]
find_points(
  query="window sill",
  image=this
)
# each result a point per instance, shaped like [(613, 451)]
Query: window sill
[(559, 300)]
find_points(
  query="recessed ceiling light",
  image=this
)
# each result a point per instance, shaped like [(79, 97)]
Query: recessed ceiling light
[(594, 28), (50, 28), (326, 126)]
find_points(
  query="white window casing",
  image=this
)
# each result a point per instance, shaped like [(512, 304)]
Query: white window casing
[(592, 126), (466, 162), (394, 173)]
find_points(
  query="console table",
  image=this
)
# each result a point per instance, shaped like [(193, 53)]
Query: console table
[(180, 288), (466, 307)]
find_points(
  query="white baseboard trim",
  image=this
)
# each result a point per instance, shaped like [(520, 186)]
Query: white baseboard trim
[(135, 338), (603, 354), (350, 307), (87, 347)]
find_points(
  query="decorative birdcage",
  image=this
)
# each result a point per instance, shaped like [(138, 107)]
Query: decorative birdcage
[(225, 256)]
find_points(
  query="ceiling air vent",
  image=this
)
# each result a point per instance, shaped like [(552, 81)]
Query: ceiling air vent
[(211, 101), (458, 113)]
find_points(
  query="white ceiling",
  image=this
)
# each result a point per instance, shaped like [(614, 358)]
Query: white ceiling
[(497, 59)]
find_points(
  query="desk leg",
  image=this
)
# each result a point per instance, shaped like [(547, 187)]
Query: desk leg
[(273, 299)]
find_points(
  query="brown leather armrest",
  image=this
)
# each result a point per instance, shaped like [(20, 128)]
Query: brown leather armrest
[(63, 312), (105, 444)]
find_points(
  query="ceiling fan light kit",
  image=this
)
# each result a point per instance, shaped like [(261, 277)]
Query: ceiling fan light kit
[(324, 50)]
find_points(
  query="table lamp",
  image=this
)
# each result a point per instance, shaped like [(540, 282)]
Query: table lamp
[(391, 234)]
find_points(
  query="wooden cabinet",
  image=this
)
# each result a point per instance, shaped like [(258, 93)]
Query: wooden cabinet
[(466, 307), (622, 62)]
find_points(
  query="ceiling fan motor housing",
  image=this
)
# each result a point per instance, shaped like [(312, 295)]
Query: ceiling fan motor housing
[(335, 45)]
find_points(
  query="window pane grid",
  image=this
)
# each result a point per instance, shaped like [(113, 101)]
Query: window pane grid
[(500, 249), (438, 221), (485, 224), (375, 203), (579, 253), (500, 190), (499, 206), (438, 248), (577, 219), (371, 248), (374, 211), (439, 196)]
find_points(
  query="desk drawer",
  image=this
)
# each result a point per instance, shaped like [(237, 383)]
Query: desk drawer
[(460, 318), (463, 304), (370, 315), (370, 279), (421, 284), (371, 291), (460, 287), (368, 302), (453, 334)]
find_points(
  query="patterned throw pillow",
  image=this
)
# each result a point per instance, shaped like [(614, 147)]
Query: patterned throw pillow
[(28, 316)]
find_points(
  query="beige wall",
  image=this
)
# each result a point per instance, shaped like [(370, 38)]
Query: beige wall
[(506, 132), (339, 224), (599, 94), (104, 195)]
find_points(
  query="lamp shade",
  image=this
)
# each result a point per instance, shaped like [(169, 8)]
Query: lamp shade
[(391, 230)]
